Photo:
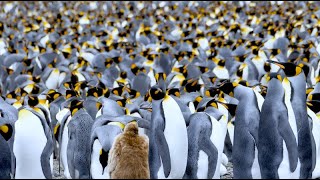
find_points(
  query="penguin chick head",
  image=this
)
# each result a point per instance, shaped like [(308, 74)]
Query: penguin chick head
[(156, 93), (75, 105), (290, 69), (131, 129)]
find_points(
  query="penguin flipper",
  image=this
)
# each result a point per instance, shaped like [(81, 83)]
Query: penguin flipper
[(164, 152), (210, 149), (48, 149), (314, 150), (290, 140)]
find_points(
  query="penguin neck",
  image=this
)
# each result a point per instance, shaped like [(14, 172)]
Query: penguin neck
[(287, 89), (275, 90), (242, 92), (298, 85)]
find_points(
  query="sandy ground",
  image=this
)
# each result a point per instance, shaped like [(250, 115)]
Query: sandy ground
[(56, 174)]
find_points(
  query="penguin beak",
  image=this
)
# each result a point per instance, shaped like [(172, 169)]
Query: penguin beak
[(276, 63)]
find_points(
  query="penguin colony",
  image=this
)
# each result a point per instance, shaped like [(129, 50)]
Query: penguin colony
[(207, 83)]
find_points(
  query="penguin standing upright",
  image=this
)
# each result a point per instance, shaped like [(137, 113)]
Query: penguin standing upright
[(78, 148), (245, 153), (296, 79), (8, 117), (277, 145), (202, 153), (168, 137), (313, 113), (33, 144)]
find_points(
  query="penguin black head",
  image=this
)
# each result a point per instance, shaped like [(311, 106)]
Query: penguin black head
[(244, 83), (71, 93), (290, 69), (314, 106), (75, 105), (123, 75), (305, 68), (174, 92), (212, 103), (156, 93), (196, 101), (203, 69), (241, 58), (53, 95), (161, 76), (192, 86), (132, 93), (228, 88), (6, 130), (33, 101), (108, 62), (135, 69), (118, 91), (274, 75), (122, 102), (314, 97), (106, 92), (212, 92), (267, 67), (95, 91)]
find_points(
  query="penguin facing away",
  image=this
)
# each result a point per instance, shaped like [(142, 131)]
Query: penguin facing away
[(277, 143), (295, 74), (202, 153)]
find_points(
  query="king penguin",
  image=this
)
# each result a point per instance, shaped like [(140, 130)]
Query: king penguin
[(277, 145), (168, 137), (202, 153), (78, 147), (296, 81), (33, 144), (246, 123)]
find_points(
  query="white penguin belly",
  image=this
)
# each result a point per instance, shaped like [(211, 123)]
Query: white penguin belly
[(255, 170), (63, 153), (28, 146), (221, 72), (176, 136), (203, 165), (231, 131), (96, 167), (152, 78), (316, 136), (53, 79), (219, 131), (284, 168), (61, 78), (99, 113)]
